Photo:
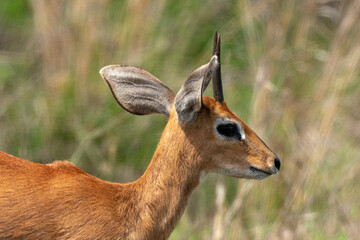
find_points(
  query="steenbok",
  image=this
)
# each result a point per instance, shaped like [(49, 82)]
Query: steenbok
[(60, 201)]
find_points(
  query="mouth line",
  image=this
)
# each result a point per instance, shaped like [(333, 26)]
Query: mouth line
[(259, 170)]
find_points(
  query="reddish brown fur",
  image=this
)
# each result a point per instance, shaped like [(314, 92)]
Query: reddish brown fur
[(60, 201)]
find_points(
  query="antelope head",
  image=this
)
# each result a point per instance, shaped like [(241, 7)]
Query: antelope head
[(221, 141)]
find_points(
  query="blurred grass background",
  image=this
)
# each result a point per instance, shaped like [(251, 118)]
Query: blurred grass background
[(290, 70)]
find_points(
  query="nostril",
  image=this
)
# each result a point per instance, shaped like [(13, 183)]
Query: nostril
[(277, 163)]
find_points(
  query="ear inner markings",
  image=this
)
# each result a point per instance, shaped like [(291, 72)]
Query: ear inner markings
[(188, 100), (138, 91)]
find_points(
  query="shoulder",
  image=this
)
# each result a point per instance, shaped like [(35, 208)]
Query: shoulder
[(67, 166)]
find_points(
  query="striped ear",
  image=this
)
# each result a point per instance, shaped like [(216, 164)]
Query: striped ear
[(137, 91), (188, 100)]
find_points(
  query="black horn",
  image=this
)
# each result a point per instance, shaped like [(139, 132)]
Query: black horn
[(217, 84)]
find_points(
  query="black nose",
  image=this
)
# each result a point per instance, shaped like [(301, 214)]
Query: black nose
[(277, 163)]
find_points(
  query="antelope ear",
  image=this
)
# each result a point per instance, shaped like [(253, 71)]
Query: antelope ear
[(188, 100), (137, 91)]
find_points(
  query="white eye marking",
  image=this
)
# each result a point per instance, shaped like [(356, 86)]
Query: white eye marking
[(229, 129)]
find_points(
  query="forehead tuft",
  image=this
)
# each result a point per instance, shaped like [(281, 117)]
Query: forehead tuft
[(216, 107), (211, 103)]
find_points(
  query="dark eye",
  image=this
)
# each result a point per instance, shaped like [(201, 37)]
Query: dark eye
[(229, 130)]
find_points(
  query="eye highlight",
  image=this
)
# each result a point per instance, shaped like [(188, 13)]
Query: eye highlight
[(229, 130)]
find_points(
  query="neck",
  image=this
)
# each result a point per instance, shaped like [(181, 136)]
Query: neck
[(167, 184)]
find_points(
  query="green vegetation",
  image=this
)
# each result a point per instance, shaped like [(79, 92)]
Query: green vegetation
[(290, 70)]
